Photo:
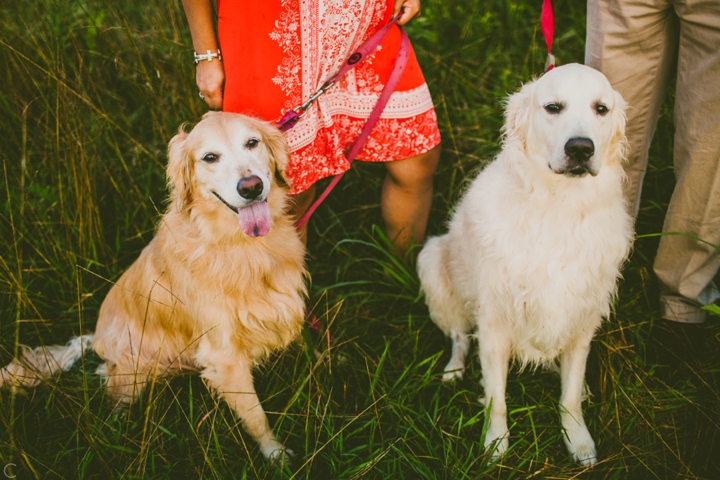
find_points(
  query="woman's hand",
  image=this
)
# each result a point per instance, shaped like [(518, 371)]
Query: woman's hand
[(210, 75), (410, 9), (210, 78)]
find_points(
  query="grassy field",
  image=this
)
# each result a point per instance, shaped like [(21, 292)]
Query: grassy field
[(91, 93)]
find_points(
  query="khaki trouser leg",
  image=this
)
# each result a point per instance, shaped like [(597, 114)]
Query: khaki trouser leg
[(635, 44), (685, 266)]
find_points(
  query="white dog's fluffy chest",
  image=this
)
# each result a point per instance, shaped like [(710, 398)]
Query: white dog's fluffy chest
[(535, 246), (543, 263)]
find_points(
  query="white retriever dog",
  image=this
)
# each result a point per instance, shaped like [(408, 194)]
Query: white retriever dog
[(535, 247), (220, 286)]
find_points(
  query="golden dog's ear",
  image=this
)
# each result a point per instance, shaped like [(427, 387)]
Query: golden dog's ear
[(279, 152), (517, 114), (179, 170), (618, 140)]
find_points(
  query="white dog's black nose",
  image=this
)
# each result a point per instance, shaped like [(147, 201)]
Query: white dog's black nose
[(579, 149), (250, 187)]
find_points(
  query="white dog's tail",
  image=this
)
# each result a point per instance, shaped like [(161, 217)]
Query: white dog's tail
[(41, 363), (446, 310)]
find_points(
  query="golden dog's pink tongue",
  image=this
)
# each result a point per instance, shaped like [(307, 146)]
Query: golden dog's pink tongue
[(255, 219)]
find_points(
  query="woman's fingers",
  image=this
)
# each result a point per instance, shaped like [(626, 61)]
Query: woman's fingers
[(210, 78), (214, 99), (410, 9)]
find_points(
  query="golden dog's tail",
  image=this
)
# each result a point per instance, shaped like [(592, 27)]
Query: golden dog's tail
[(37, 364)]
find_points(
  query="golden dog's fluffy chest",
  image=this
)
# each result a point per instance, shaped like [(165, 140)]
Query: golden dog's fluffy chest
[(248, 292), (241, 292)]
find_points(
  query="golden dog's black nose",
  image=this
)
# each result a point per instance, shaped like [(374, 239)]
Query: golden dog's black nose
[(250, 188), (579, 149)]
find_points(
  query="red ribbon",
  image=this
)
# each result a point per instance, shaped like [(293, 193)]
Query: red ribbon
[(547, 24)]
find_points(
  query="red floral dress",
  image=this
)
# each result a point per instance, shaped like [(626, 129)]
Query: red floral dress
[(276, 53)]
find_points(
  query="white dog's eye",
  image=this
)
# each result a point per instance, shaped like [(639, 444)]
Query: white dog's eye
[(601, 109), (210, 157), (554, 108), (252, 143)]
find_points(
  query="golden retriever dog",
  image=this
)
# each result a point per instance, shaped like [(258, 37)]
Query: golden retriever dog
[(220, 286), (535, 247)]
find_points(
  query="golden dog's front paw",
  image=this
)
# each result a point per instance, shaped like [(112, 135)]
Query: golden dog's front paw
[(278, 454)]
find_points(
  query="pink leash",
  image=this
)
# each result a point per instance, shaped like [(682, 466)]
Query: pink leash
[(293, 116)]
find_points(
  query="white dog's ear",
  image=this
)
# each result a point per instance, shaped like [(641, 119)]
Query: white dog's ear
[(179, 170), (517, 114), (279, 152), (618, 141), (210, 113)]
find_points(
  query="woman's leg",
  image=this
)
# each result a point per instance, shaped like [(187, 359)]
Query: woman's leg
[(407, 197), (405, 202)]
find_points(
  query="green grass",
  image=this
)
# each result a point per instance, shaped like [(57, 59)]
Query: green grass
[(91, 93)]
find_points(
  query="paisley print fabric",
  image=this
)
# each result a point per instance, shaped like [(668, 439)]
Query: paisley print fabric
[(276, 53)]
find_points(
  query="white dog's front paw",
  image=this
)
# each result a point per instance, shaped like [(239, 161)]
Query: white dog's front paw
[(585, 455), (452, 374), (497, 441), (454, 369), (581, 446)]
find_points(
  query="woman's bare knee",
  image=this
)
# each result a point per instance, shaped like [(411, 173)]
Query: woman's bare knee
[(414, 172)]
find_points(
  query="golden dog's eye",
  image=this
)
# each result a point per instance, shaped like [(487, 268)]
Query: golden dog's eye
[(252, 143), (554, 108), (210, 157), (601, 109)]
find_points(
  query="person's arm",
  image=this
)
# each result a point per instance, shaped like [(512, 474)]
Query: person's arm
[(410, 8), (210, 75)]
